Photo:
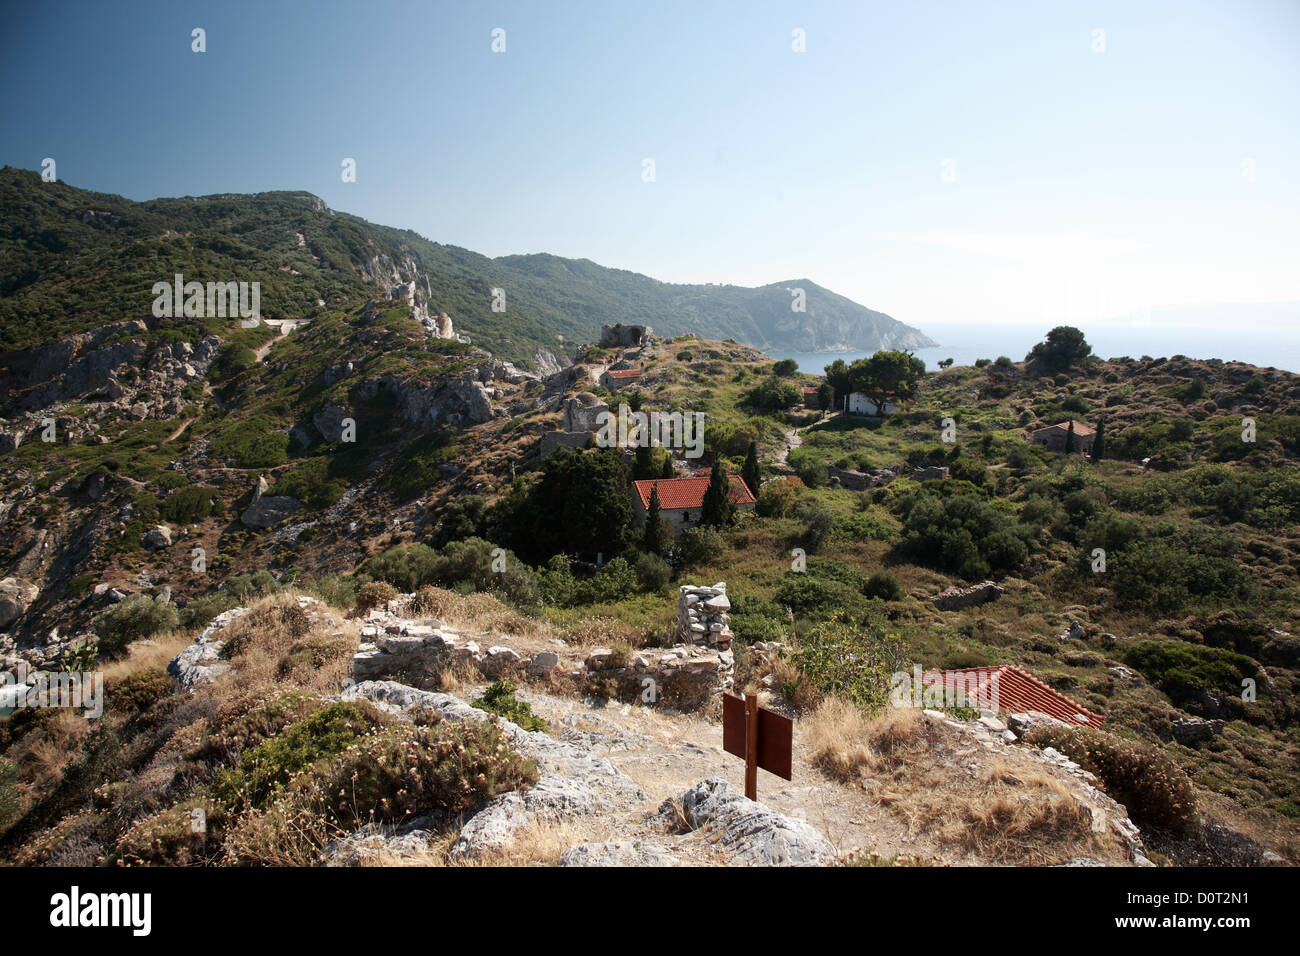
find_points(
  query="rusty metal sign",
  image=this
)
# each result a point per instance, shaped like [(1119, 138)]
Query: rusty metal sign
[(759, 736)]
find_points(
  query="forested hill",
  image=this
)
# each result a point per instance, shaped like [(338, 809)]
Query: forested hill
[(72, 260)]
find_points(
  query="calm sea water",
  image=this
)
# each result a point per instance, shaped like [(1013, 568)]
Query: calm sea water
[(1276, 347)]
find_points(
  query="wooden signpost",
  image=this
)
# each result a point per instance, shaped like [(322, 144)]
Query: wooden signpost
[(757, 735)]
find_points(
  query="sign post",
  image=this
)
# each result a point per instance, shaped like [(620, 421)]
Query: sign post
[(759, 736)]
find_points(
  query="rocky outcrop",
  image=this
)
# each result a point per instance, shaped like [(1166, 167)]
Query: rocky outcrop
[(464, 400), (267, 511), (1189, 731), (618, 853), (957, 599), (328, 421), (157, 538), (16, 595), (201, 662), (625, 336), (573, 782), (752, 833)]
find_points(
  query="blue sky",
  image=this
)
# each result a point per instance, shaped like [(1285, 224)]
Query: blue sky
[(1158, 177)]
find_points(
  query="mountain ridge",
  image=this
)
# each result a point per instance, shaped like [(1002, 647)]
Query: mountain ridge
[(75, 260)]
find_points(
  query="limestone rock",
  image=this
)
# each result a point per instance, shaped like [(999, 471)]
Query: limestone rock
[(157, 538), (753, 833), (16, 595), (617, 853)]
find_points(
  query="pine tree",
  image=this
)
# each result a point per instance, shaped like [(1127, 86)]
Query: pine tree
[(1099, 443), (717, 508), (1069, 439), (657, 531), (751, 474)]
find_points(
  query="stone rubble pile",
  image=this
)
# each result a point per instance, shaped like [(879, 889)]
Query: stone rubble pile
[(957, 599), (702, 616), (416, 651)]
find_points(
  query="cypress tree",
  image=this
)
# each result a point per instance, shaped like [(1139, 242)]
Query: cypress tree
[(1099, 442), (656, 528), (669, 471), (751, 474), (717, 508), (1069, 438)]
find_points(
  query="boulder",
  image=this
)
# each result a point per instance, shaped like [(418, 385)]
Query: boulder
[(754, 834), (1194, 730), (157, 537), (16, 595)]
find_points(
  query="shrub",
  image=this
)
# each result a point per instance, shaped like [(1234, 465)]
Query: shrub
[(850, 660), (963, 533), (256, 442), (336, 590), (499, 698), (374, 594), (267, 767), (754, 619), (777, 498), (883, 585), (387, 777), (136, 618), (697, 546), (406, 566), (1185, 671), (266, 625), (1153, 788), (189, 504), (246, 588), (652, 573), (11, 798)]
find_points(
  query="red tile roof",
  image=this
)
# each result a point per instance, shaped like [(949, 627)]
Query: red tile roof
[(1008, 688), (676, 493), (625, 373)]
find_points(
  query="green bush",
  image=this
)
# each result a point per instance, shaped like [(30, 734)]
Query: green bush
[(850, 660), (652, 573), (136, 618), (257, 442), (883, 585), (963, 533), (406, 566), (189, 504), (499, 698), (696, 546), (265, 768), (1185, 671)]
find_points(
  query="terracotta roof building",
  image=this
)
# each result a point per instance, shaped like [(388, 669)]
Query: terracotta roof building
[(1006, 688), (681, 499), (1053, 436), (618, 377)]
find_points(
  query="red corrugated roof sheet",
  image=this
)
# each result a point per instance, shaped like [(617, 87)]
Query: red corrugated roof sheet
[(1008, 688), (625, 373), (677, 493)]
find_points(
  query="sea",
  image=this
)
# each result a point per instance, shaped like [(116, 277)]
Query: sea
[(1275, 346)]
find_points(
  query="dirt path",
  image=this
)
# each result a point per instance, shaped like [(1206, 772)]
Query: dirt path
[(666, 753)]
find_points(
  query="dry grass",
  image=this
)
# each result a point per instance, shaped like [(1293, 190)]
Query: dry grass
[(836, 733)]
